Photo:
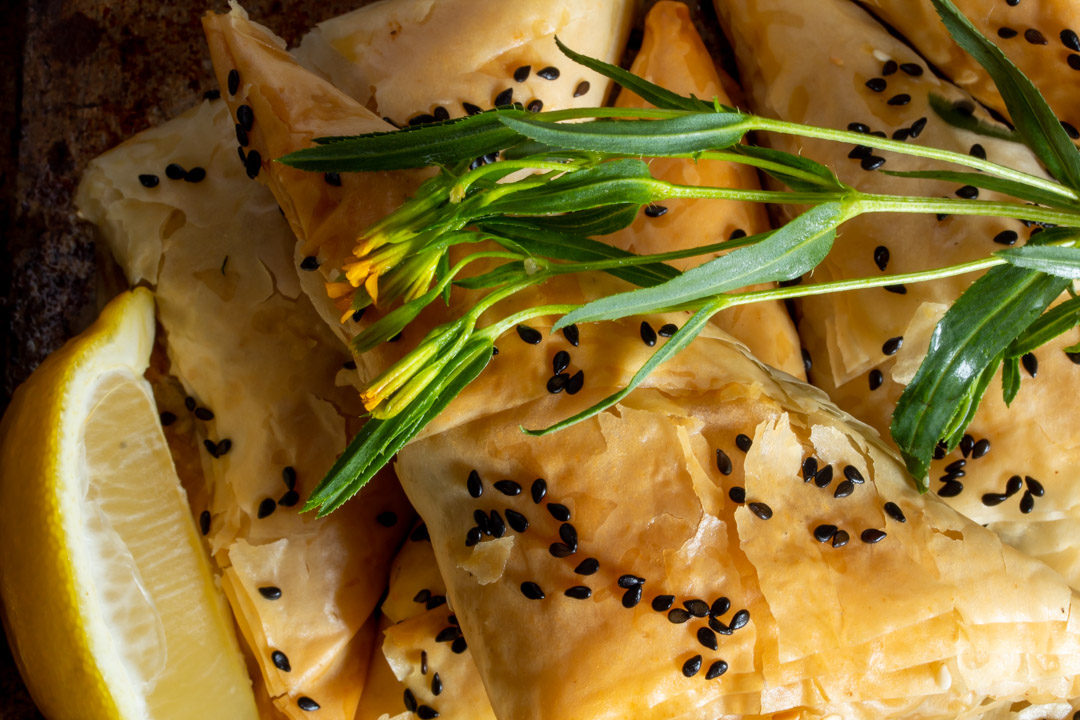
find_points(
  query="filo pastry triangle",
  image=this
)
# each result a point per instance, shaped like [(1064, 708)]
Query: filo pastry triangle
[(723, 542), (827, 64)]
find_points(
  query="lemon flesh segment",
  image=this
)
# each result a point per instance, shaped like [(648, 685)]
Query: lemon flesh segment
[(109, 600)]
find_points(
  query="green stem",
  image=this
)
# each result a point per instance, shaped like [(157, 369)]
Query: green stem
[(865, 202), (668, 191)]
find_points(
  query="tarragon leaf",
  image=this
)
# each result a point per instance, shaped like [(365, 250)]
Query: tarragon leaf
[(948, 111), (594, 221), (615, 182), (1060, 261), (393, 322), (508, 272), (441, 143), (978, 328), (801, 174), (1035, 122), (1010, 379), (1054, 322), (988, 182), (647, 91), (653, 138), (378, 440), (683, 337), (789, 252)]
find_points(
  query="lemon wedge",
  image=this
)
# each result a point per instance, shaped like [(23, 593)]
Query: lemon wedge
[(109, 601)]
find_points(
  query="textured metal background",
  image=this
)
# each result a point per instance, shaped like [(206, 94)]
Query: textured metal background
[(76, 78)]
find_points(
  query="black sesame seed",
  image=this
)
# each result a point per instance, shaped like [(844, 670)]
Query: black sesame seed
[(871, 536), (877, 84), (195, 175), (473, 536), (426, 712), (559, 511), (707, 638), (1070, 39), (872, 162), (1034, 37), (824, 476), (844, 488), (858, 127), (560, 550), (522, 73), (1069, 128), (809, 469), (517, 521), (266, 508), (307, 704), (678, 616), (570, 332), (1014, 485), (232, 81), (535, 106), (481, 519), (174, 171), (808, 363), (951, 488), (356, 317), (495, 522), (697, 608), (720, 606), (955, 465), (423, 662), (889, 68), (288, 476), (893, 510), (824, 533), (223, 447), (508, 487), (1006, 237), (474, 484), (538, 490), (840, 539), (582, 88), (692, 666), (940, 450), (204, 414), (332, 178), (1034, 486), (471, 109), (575, 383), (860, 151), (737, 494), (876, 378), (980, 448), (506, 97), (532, 591), (723, 462), (631, 597), (992, 499), (662, 603), (977, 151), (719, 627), (529, 335), (253, 164), (410, 700), (569, 535), (954, 475), (667, 330), (560, 362), (1030, 363), (588, 566), (900, 99), (447, 634), (760, 509), (167, 418), (715, 670), (557, 383), (204, 522), (743, 442), (740, 619), (629, 581), (436, 685), (1027, 502), (149, 180), (896, 289), (548, 73), (852, 473), (968, 192), (435, 601), (459, 646), (1006, 33), (917, 127), (289, 499), (440, 113), (281, 661), (270, 592), (648, 335), (421, 119), (912, 69), (578, 592), (387, 518), (1074, 357), (422, 597), (654, 211), (901, 134), (245, 117)]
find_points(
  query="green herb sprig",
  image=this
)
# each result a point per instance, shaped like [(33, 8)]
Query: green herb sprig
[(588, 179)]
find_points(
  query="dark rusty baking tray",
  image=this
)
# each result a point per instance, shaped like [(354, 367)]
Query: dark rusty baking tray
[(76, 78)]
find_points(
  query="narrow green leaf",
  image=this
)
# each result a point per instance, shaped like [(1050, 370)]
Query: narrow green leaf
[(1060, 261), (683, 337), (1054, 322), (799, 173), (574, 248), (988, 316), (988, 182), (442, 143), (378, 440), (649, 92), (393, 322), (506, 273), (653, 138), (1034, 120), (615, 182), (789, 252), (591, 222), (1010, 379), (969, 404), (948, 111)]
